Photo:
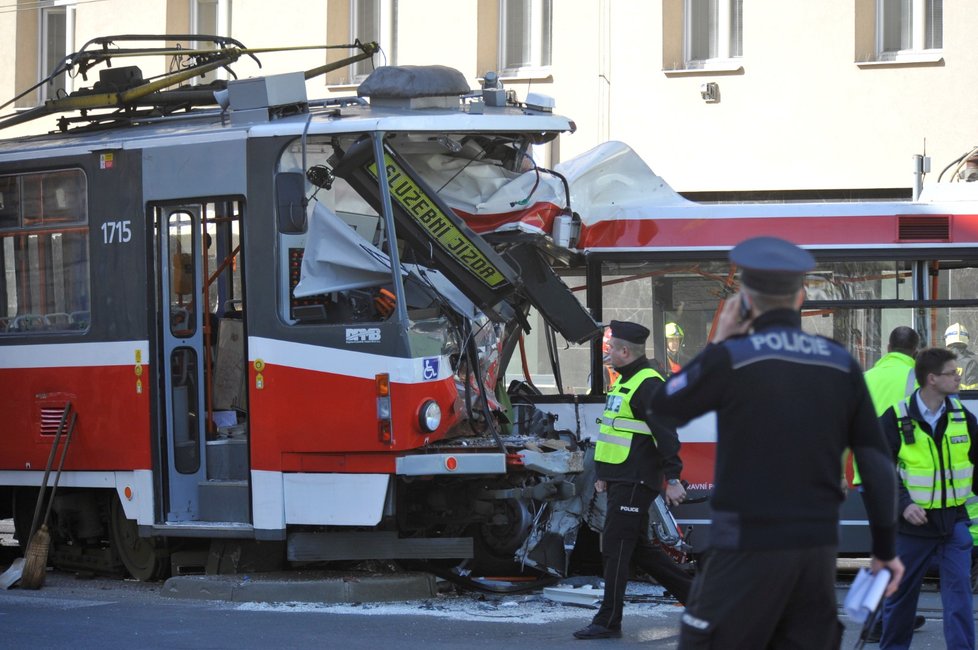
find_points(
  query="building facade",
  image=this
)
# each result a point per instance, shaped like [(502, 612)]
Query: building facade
[(718, 96)]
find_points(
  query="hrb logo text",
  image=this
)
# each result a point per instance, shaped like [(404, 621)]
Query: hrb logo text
[(363, 335)]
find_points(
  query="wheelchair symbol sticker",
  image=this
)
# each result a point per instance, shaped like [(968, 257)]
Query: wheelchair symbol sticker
[(430, 370)]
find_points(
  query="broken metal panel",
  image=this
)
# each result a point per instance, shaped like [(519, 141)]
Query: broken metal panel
[(548, 293)]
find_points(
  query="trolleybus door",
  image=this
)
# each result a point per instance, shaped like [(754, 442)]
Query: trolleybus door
[(182, 350)]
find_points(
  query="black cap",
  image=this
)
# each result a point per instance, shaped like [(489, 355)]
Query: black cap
[(772, 266), (628, 331)]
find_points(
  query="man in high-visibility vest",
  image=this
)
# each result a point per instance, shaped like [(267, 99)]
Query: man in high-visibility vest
[(890, 381), (931, 437), (635, 456)]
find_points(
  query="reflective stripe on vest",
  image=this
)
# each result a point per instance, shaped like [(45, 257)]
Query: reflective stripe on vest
[(972, 507), (618, 423), (921, 463)]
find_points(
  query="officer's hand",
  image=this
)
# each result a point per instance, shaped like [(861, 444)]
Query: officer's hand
[(675, 494), (729, 323), (600, 486), (915, 515), (896, 572)]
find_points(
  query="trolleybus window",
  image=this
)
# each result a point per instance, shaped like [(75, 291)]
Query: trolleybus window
[(855, 302), (44, 252)]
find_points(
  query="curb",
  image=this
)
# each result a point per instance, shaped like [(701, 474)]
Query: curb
[(304, 588)]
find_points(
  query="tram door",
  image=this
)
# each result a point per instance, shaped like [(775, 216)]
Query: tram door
[(182, 354)]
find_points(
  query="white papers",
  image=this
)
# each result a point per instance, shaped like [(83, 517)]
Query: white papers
[(865, 594)]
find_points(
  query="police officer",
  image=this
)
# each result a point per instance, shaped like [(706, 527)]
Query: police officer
[(787, 405), (934, 442), (633, 454)]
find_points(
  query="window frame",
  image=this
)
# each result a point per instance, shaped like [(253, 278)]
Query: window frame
[(222, 27), (917, 31), (44, 241), (385, 11), (539, 60), (721, 40), (45, 63)]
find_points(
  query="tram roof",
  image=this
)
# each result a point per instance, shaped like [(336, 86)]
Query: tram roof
[(322, 118)]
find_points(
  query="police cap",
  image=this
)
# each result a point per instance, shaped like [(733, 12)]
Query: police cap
[(772, 266), (628, 331)]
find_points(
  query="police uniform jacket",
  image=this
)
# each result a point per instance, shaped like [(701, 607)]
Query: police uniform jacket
[(940, 521), (650, 458), (787, 405)]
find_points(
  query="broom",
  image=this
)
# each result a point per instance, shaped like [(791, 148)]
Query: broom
[(36, 556)]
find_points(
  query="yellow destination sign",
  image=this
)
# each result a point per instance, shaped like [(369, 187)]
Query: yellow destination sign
[(436, 223)]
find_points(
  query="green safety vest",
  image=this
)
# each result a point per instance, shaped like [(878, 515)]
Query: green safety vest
[(935, 478), (618, 423), (890, 381)]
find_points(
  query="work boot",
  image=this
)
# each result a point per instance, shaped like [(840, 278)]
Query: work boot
[(595, 631), (877, 631)]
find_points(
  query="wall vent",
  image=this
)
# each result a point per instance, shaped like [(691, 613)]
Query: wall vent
[(932, 227)]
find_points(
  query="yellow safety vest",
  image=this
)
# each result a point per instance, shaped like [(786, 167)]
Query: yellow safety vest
[(935, 478), (619, 424), (890, 381)]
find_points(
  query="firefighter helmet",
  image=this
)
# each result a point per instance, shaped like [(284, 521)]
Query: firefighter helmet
[(674, 331), (956, 333)]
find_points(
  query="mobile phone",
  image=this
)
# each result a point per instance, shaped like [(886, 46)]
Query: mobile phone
[(744, 308)]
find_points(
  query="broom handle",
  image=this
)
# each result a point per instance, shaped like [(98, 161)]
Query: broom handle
[(47, 469), (61, 463)]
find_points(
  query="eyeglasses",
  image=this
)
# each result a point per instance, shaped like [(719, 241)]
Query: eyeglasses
[(949, 373)]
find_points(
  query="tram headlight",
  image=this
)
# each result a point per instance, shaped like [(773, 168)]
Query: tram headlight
[(430, 416)]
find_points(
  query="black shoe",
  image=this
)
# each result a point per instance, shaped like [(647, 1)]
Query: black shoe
[(595, 631), (877, 631)]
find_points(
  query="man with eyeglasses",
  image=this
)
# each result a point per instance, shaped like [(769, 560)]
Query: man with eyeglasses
[(930, 434)]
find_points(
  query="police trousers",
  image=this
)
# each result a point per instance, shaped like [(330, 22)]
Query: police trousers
[(624, 538), (776, 599)]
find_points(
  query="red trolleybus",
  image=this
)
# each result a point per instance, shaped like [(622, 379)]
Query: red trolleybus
[(652, 256)]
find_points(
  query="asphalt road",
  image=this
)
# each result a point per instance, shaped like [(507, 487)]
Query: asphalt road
[(102, 613)]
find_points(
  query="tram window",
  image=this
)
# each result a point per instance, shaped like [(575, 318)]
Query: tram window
[(337, 270), (46, 285)]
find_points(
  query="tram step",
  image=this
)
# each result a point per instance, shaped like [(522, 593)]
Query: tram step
[(227, 459), (376, 545), (224, 501)]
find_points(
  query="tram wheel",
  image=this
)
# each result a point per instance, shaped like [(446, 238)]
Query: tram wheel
[(143, 557)]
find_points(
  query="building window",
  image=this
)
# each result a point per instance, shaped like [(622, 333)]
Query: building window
[(211, 18), (713, 30), (44, 253), (525, 36), (908, 26), (55, 43), (373, 20)]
